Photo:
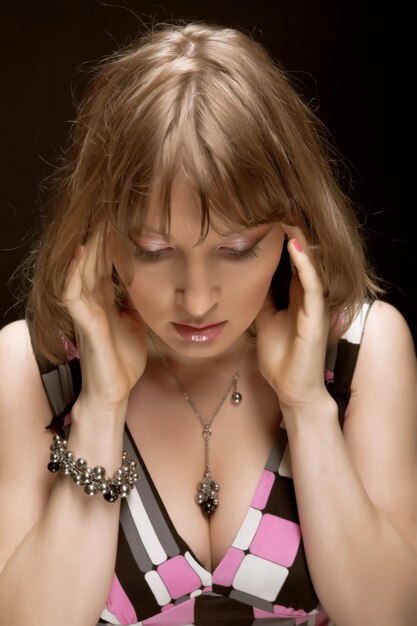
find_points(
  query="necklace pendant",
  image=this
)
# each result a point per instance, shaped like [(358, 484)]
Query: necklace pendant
[(207, 495)]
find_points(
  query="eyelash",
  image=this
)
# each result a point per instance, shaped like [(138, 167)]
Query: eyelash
[(150, 255), (241, 255), (234, 255)]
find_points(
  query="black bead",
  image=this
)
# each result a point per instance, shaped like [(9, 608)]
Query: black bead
[(209, 507), (110, 496), (53, 467)]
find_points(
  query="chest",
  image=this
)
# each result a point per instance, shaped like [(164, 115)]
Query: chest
[(169, 438)]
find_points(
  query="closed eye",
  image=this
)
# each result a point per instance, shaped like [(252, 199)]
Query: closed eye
[(151, 255), (241, 255), (229, 253)]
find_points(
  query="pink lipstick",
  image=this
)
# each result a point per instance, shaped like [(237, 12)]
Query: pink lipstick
[(204, 333)]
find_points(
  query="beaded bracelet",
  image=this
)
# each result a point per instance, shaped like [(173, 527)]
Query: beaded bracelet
[(94, 479)]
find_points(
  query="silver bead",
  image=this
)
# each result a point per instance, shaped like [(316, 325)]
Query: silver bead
[(69, 455), (91, 489), (81, 463), (99, 472), (86, 476), (199, 498), (64, 469), (105, 486), (124, 490), (236, 398)]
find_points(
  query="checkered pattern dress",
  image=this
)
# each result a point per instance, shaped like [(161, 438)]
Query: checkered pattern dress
[(262, 579)]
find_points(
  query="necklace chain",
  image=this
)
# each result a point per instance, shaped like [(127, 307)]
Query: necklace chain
[(207, 494)]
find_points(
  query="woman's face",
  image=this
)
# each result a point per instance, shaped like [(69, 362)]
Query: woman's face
[(199, 297)]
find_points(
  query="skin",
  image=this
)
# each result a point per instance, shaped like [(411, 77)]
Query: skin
[(363, 478), (200, 282)]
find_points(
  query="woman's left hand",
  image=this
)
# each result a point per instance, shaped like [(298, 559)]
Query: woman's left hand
[(292, 342)]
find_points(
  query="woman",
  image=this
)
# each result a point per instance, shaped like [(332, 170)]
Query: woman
[(200, 299)]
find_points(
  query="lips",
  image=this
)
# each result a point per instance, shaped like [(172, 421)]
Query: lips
[(199, 332)]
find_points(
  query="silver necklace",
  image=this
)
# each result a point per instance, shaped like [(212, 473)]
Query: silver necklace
[(207, 496)]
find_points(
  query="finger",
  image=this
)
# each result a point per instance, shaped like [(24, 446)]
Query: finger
[(295, 232), (96, 277), (313, 300), (93, 267), (73, 282)]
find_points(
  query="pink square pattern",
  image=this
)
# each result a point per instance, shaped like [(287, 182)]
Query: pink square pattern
[(263, 490), (181, 614), (277, 540), (179, 577), (119, 604), (227, 568)]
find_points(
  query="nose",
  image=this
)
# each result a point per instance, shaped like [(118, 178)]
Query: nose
[(197, 290)]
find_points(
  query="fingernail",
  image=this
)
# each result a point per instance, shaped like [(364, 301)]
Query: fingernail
[(297, 245)]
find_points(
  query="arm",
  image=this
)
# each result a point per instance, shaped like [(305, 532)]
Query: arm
[(356, 493), (57, 545), (355, 490)]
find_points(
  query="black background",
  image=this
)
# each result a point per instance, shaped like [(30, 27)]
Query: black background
[(350, 59)]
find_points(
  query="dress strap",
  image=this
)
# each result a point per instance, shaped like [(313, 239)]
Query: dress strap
[(62, 384), (341, 360)]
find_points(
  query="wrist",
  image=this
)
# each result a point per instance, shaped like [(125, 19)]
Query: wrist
[(93, 479), (88, 414), (319, 412), (97, 434)]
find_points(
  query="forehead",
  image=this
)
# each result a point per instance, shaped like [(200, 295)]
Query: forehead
[(179, 206)]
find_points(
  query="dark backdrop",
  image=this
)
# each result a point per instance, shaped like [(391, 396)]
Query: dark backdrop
[(350, 58)]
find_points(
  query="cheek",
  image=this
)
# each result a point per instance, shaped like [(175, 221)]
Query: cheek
[(263, 281), (257, 289), (148, 293), (251, 289)]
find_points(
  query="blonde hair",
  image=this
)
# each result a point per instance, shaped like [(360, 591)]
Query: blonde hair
[(208, 103)]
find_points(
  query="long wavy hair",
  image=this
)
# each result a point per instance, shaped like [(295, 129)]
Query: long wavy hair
[(210, 104)]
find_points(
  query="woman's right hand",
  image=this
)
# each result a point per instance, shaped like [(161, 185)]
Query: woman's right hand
[(112, 344)]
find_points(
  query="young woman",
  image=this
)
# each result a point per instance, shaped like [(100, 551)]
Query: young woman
[(200, 300)]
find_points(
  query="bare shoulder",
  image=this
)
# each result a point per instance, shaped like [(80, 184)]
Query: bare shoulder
[(384, 316), (386, 369), (24, 407), (387, 345), (20, 382), (14, 335), (24, 443), (15, 343), (381, 425), (15, 346)]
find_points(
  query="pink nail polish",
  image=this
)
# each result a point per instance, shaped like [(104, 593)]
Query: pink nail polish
[(297, 245)]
